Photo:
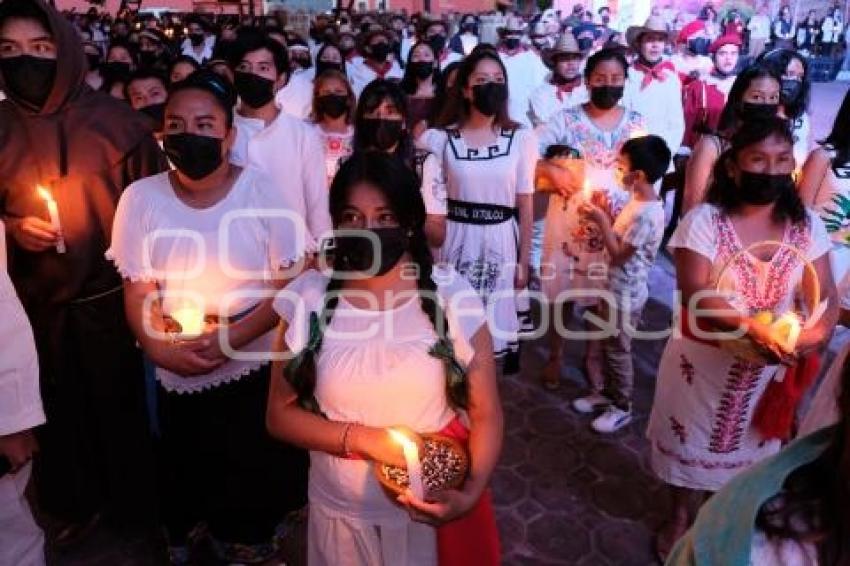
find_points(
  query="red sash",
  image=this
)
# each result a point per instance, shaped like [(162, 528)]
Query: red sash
[(654, 73), (474, 538)]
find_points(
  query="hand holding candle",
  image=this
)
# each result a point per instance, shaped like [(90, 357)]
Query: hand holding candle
[(411, 457), (53, 211)]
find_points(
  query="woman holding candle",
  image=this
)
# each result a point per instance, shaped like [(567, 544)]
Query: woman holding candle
[(574, 257), (708, 422), (383, 349), (488, 160), (199, 249)]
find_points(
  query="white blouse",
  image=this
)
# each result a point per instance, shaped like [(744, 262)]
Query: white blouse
[(217, 259), (374, 369)]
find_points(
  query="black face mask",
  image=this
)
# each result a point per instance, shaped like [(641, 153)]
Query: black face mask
[(346, 51), (156, 112), (762, 188), (357, 253), (585, 43), (511, 43), (193, 155), (147, 58), (699, 46), (93, 61), (488, 98), (791, 90), (332, 105), (469, 28), (115, 71), (322, 66), (254, 90), (421, 70), (29, 79), (379, 52), (437, 42), (559, 79), (754, 110), (197, 39), (381, 134), (606, 97)]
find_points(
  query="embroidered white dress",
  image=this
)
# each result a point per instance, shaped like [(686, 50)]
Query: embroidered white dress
[(486, 255), (574, 256), (705, 398), (338, 147), (374, 369)]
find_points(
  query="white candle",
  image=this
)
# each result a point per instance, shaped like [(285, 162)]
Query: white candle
[(587, 192), (414, 466), (191, 321), (53, 211)]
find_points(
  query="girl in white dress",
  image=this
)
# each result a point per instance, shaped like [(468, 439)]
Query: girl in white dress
[(702, 427), (332, 117), (488, 161), (386, 341)]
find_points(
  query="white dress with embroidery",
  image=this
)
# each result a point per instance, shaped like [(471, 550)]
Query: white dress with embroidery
[(700, 426), (486, 255), (574, 256)]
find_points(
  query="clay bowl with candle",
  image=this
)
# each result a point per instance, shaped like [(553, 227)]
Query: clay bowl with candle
[(445, 465)]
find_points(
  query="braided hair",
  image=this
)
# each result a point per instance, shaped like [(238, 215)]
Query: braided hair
[(400, 187)]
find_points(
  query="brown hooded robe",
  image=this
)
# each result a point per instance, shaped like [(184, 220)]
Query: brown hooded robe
[(86, 148)]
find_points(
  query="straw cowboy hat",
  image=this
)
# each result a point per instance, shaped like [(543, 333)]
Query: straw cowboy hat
[(653, 25), (567, 45), (513, 25)]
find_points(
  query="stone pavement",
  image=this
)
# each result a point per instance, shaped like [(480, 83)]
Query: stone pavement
[(564, 494)]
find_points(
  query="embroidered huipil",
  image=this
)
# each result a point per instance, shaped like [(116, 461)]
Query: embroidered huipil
[(700, 424)]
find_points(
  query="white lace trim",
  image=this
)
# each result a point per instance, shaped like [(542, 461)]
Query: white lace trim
[(134, 276), (189, 385)]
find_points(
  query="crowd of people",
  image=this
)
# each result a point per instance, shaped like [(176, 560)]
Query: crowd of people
[(240, 256)]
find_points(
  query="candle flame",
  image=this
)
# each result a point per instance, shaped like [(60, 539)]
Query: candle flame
[(191, 320), (401, 438), (587, 192), (43, 193)]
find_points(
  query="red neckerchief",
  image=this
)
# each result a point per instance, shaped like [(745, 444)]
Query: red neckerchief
[(563, 90), (516, 51), (654, 73), (382, 72)]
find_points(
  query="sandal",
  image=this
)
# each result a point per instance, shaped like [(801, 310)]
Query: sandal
[(551, 376)]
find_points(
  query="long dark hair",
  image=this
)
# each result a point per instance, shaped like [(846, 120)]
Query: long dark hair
[(603, 55), (726, 195), (441, 90), (814, 505), (399, 186), (456, 109), (409, 83), (732, 115), (778, 60), (373, 96), (839, 138)]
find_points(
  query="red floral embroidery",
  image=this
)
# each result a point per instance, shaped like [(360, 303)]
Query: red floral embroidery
[(781, 265), (679, 430), (731, 417), (688, 369), (700, 463)]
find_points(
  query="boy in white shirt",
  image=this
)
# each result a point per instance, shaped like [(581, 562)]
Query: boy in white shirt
[(632, 241)]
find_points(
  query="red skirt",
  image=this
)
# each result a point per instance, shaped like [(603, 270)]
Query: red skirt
[(474, 538)]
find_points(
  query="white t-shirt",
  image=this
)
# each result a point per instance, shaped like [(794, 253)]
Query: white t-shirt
[(211, 259), (290, 153), (374, 369), (526, 72), (361, 74), (640, 224), (296, 98)]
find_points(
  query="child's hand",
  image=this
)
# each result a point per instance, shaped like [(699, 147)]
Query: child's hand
[(593, 213)]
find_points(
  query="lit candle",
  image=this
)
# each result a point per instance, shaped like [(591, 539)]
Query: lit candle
[(586, 191), (53, 211), (414, 467), (191, 321), (789, 327)]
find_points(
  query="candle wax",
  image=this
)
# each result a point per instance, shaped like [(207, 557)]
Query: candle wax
[(414, 466)]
